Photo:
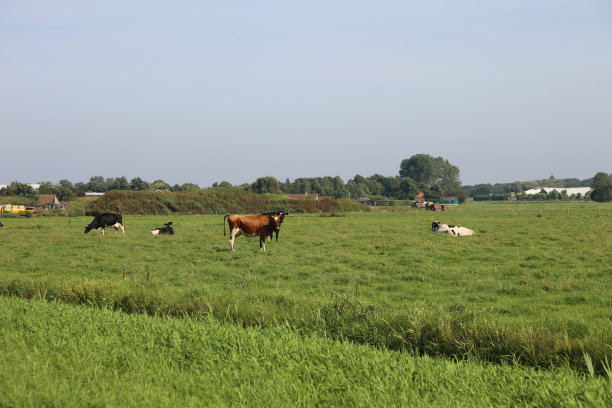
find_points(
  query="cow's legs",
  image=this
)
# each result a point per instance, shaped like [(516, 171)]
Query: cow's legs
[(117, 226), (101, 229), (262, 243), (233, 234)]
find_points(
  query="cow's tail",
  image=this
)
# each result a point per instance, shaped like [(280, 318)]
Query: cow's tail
[(120, 218), (224, 224)]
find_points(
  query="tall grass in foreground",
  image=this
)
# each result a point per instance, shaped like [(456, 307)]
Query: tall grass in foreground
[(532, 287), (56, 355)]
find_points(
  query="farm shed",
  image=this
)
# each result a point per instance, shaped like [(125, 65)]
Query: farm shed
[(449, 200), (419, 197), (364, 201), (50, 200), (12, 208)]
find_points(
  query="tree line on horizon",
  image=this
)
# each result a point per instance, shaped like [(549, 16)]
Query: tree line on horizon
[(433, 176)]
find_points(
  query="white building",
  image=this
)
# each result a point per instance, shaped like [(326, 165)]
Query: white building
[(35, 186), (570, 190)]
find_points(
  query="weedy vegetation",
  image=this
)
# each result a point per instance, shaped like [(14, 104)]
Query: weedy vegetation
[(57, 355)]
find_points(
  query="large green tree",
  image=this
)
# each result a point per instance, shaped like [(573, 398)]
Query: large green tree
[(421, 168), (602, 187), (20, 189), (139, 184), (266, 185), (429, 170)]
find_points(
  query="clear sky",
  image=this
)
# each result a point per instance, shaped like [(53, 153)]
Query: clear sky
[(205, 91)]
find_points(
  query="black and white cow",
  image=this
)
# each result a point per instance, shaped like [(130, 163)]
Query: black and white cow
[(104, 220), (454, 230), (167, 230)]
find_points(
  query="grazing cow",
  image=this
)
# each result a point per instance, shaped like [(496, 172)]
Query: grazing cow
[(167, 230), (450, 229), (282, 218), (104, 220), (263, 226)]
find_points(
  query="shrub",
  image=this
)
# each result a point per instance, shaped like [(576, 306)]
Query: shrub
[(212, 201), (76, 212)]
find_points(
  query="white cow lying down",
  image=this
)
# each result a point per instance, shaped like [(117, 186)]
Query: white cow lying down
[(450, 229)]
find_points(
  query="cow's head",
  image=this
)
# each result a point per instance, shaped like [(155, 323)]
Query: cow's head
[(274, 222), (88, 228), (168, 224), (281, 215), (435, 226)]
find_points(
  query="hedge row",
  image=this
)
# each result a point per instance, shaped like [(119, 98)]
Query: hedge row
[(213, 201)]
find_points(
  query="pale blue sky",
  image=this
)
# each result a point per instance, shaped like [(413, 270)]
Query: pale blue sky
[(202, 91)]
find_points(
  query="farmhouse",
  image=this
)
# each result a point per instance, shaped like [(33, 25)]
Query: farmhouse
[(50, 200)]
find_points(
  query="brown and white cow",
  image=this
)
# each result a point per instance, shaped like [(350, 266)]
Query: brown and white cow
[(281, 214), (263, 226)]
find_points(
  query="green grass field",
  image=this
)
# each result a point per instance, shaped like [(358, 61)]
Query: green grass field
[(531, 289), (57, 355)]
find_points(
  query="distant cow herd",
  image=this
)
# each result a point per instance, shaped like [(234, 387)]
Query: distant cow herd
[(263, 225)]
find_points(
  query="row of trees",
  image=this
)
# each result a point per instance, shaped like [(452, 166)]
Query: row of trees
[(434, 176), (376, 186)]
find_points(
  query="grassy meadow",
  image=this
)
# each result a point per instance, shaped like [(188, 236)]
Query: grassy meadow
[(58, 355), (531, 290)]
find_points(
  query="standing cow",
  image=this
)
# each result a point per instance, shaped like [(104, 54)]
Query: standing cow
[(263, 226), (104, 220), (281, 214)]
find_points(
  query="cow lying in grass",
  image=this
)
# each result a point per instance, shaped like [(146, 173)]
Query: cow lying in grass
[(167, 230), (454, 230)]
